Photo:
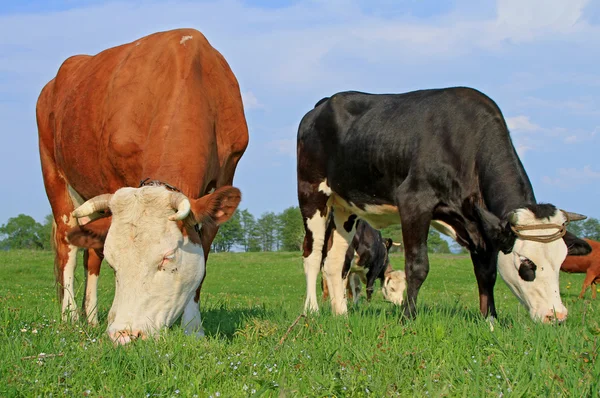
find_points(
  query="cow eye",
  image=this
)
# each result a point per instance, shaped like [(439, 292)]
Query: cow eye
[(527, 262), (169, 256)]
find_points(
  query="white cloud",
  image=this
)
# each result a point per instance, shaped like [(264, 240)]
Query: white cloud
[(250, 101), (569, 177), (521, 124)]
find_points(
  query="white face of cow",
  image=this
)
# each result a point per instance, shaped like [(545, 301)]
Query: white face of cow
[(531, 270), (157, 267), (393, 287)]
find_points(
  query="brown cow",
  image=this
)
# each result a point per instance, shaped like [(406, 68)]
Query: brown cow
[(167, 109), (588, 264)]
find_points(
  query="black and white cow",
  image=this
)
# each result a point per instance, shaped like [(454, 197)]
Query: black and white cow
[(365, 262), (442, 157)]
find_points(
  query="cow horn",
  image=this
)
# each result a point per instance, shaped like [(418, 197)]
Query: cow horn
[(180, 203), (97, 203), (574, 216)]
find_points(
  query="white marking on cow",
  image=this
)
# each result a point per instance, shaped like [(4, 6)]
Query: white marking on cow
[(69, 308), (323, 187), (65, 219), (184, 39), (334, 262), (191, 320), (157, 271), (312, 264), (542, 295), (91, 299), (444, 228)]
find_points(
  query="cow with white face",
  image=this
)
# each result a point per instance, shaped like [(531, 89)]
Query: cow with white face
[(440, 157), (107, 121)]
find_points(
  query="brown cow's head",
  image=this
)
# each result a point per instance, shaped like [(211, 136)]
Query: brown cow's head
[(157, 266)]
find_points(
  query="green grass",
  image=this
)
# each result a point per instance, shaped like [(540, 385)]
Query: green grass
[(250, 299)]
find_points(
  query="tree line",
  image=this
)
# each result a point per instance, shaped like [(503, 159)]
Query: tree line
[(244, 232)]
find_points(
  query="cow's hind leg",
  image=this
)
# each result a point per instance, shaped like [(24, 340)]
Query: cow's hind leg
[(92, 259), (345, 227), (416, 217), (314, 209)]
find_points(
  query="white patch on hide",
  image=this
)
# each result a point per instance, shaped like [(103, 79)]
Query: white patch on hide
[(69, 308), (312, 263), (184, 39), (91, 299), (323, 187), (541, 296)]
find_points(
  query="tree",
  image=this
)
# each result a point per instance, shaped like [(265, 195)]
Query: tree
[(435, 243), (230, 233), (266, 227), (590, 228), (23, 232), (291, 229), (250, 241)]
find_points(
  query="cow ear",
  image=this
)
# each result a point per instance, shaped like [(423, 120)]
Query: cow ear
[(91, 235), (576, 246), (496, 232), (388, 244), (216, 207)]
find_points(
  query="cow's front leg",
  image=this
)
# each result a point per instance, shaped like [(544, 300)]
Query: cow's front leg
[(415, 228), (485, 267), (334, 263), (92, 260), (191, 321)]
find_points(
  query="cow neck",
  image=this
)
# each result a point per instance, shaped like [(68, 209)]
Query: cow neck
[(504, 183)]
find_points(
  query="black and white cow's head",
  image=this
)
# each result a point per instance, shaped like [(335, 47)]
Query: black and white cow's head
[(533, 243)]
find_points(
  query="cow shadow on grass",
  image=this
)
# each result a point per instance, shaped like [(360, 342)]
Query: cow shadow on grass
[(224, 322)]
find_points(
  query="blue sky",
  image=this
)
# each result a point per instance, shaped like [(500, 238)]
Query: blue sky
[(538, 60)]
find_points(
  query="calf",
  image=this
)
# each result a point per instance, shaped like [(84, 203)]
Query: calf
[(590, 264), (366, 261)]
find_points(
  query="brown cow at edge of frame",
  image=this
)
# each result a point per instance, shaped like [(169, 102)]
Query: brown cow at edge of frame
[(142, 139)]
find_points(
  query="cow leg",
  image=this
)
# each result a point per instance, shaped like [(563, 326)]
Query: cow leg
[(594, 290), (314, 209), (345, 227), (92, 259), (65, 258), (588, 282), (324, 286), (485, 268), (354, 286), (191, 319), (416, 218)]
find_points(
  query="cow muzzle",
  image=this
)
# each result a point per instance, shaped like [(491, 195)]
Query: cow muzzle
[(554, 316), (122, 337)]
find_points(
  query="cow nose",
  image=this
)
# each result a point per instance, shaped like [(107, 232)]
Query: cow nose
[(122, 337), (553, 316)]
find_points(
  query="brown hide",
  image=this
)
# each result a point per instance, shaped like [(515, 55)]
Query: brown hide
[(165, 107), (588, 264)]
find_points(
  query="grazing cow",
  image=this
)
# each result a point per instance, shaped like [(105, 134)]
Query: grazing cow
[(165, 109), (441, 157), (588, 264), (366, 261)]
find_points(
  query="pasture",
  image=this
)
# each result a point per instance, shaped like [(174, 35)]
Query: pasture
[(250, 300)]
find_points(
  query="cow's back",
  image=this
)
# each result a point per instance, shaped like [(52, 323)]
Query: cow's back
[(450, 132), (580, 264), (166, 106)]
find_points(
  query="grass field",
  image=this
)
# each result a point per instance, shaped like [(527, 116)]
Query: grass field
[(250, 299)]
